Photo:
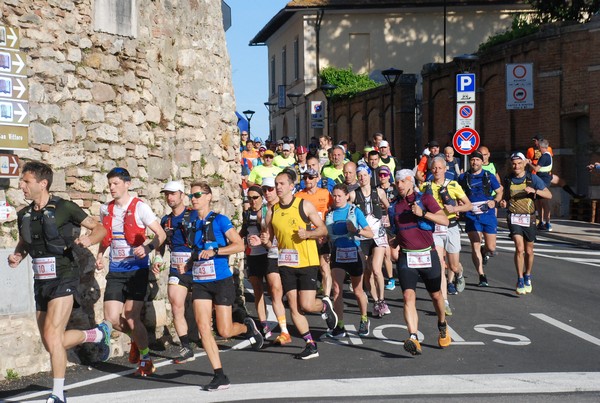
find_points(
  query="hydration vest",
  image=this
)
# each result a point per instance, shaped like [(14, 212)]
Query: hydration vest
[(57, 241), (169, 230), (208, 234), (361, 202), (485, 181), (443, 191), (510, 187), (329, 223), (134, 235)]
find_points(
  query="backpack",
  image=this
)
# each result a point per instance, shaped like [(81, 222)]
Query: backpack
[(486, 182), (169, 230)]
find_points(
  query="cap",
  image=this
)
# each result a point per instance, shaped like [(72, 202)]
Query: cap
[(262, 148), (301, 150), (286, 147), (537, 137), (269, 152), (383, 143), (279, 142), (257, 140), (517, 156), (268, 182), (173, 186), (404, 173), (368, 149), (340, 147), (311, 173), (363, 168), (433, 143), (476, 154), (385, 169)]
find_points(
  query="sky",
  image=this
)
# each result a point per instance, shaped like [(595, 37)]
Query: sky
[(249, 64)]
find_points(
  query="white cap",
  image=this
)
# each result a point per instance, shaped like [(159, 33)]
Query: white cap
[(270, 182), (173, 186), (383, 143), (403, 174), (286, 147)]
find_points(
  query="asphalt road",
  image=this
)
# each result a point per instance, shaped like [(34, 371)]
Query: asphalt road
[(539, 347)]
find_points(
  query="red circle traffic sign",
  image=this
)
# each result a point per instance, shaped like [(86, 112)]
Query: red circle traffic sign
[(465, 140), (519, 71), (519, 94), (465, 111)]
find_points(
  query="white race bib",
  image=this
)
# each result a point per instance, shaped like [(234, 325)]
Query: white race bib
[(476, 207), (173, 280), (418, 260), (44, 268), (204, 270), (523, 220), (288, 257), (440, 229), (346, 255), (179, 258), (120, 252), (381, 240)]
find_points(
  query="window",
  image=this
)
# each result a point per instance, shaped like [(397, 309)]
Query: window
[(283, 66), (118, 17), (296, 59), (272, 71)]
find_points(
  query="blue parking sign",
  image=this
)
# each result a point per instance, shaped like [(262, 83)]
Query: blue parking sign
[(465, 87)]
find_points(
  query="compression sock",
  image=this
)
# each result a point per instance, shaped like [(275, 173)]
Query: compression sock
[(308, 338), (282, 324), (185, 340)]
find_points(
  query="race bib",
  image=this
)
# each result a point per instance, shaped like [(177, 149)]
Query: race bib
[(120, 252), (523, 220), (418, 260), (44, 268), (288, 257), (204, 270), (173, 280), (479, 207), (346, 255), (381, 240), (440, 229), (179, 258)]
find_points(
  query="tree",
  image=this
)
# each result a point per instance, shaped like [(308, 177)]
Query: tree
[(560, 10)]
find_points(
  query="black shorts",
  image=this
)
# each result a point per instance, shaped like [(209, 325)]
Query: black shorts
[(221, 292), (431, 276), (528, 233), (324, 249), (184, 280), (304, 279), (46, 290), (129, 285), (367, 246), (354, 269), (259, 266)]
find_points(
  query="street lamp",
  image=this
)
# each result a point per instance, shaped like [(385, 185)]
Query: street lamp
[(465, 61), (392, 76), (294, 96), (248, 114), (271, 108), (328, 91)]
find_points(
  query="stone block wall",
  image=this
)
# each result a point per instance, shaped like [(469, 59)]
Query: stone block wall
[(158, 102)]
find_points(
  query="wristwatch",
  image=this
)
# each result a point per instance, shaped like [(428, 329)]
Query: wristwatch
[(151, 246), (216, 250)]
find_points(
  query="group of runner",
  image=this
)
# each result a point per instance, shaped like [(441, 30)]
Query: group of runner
[(304, 221)]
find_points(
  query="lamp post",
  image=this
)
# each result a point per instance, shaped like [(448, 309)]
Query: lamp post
[(328, 91), (392, 76), (294, 96), (271, 108), (248, 114)]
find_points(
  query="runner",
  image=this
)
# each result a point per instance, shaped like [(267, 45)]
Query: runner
[(49, 233), (176, 226), (391, 193), (345, 222), (215, 239), (479, 186), (414, 216), (522, 188), (290, 221), (126, 219)]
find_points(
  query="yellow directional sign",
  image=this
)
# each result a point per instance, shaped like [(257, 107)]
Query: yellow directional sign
[(12, 87), (13, 63), (9, 37), (14, 138)]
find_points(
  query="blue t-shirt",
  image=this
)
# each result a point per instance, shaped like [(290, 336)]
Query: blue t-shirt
[(220, 225), (545, 161), (340, 217), (473, 185), (176, 234)]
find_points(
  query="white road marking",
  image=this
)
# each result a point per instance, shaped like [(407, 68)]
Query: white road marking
[(567, 328)]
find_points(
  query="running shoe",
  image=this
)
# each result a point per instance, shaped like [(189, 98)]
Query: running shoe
[(521, 287), (452, 289), (460, 283), (219, 382), (134, 353), (541, 226), (145, 368), (483, 281), (337, 333), (329, 314), (363, 328), (253, 335), (310, 351), (412, 346), (528, 285), (55, 399), (186, 354), (391, 285), (444, 338), (384, 308), (283, 338), (377, 310), (106, 328), (266, 331), (548, 226), (447, 309)]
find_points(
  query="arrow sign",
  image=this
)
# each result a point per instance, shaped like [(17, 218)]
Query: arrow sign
[(9, 165), (465, 141), (13, 63), (9, 37), (12, 87), (14, 112)]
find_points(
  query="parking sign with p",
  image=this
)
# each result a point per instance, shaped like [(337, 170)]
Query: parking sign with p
[(465, 87)]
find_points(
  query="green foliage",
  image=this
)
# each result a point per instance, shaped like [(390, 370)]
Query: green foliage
[(348, 83), (521, 27), (11, 374), (559, 10)]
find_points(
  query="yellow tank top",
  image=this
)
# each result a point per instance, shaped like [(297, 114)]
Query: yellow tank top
[(293, 251)]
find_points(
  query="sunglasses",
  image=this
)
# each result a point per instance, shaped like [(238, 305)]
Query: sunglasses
[(267, 156), (196, 195), (267, 189), (310, 177), (254, 197), (383, 174)]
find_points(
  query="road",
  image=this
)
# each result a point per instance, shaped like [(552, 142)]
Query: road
[(539, 347)]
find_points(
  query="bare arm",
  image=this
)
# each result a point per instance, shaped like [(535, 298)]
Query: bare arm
[(98, 232)]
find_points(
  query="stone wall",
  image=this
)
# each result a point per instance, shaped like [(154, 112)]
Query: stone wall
[(158, 102)]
